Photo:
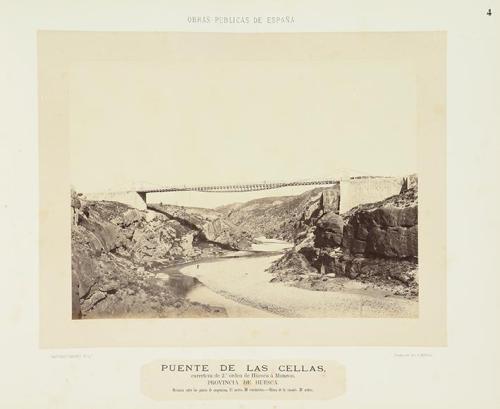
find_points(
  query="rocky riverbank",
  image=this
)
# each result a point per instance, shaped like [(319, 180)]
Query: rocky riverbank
[(371, 247), (116, 253), (211, 226)]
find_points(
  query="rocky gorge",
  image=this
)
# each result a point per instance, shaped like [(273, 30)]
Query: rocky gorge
[(282, 217), (372, 246), (125, 262), (117, 251)]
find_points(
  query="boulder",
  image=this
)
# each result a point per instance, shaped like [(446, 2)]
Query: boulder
[(383, 232), (109, 286), (329, 230), (292, 264), (109, 235), (85, 272), (90, 302), (397, 242), (309, 252), (75, 202), (313, 211), (131, 216), (393, 216), (95, 246)]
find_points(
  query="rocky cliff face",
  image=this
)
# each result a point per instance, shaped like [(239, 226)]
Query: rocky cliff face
[(375, 243), (115, 251), (386, 229), (211, 225), (284, 217)]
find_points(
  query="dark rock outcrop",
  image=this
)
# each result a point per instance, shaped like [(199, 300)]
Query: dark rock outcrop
[(295, 264), (374, 242), (210, 225), (115, 250), (384, 232), (329, 230)]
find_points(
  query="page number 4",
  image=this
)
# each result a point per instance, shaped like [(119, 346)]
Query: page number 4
[(489, 12)]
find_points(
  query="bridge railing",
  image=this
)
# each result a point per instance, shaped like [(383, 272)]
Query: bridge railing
[(239, 187)]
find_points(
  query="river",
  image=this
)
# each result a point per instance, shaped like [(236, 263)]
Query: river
[(242, 286)]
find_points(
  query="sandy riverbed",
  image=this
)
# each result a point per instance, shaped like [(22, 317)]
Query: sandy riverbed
[(241, 285)]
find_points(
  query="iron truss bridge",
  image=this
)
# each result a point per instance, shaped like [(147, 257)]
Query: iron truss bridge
[(238, 188)]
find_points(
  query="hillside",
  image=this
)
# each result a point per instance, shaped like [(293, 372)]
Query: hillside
[(115, 253), (117, 250), (374, 244), (282, 217), (212, 226)]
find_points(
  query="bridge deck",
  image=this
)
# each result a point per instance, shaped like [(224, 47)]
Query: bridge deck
[(238, 188)]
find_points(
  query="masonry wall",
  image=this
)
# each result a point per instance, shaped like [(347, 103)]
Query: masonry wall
[(354, 192), (132, 199)]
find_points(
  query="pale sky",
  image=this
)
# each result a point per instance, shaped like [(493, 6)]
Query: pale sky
[(221, 120)]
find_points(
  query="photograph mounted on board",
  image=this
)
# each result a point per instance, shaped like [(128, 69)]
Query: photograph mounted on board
[(245, 175)]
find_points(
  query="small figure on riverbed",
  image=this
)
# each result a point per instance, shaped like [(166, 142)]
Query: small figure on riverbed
[(197, 266)]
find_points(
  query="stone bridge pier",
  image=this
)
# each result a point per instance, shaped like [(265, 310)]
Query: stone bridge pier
[(354, 192)]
